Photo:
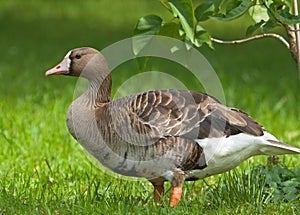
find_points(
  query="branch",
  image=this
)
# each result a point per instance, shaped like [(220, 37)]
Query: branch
[(272, 14), (165, 5), (297, 34), (253, 38), (290, 30)]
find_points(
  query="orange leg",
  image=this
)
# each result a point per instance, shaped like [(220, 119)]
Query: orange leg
[(158, 192), (175, 196), (177, 183)]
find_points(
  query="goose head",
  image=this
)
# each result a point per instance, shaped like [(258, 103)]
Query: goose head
[(83, 62), (88, 63)]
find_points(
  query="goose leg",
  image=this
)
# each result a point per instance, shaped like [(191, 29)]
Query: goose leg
[(158, 192), (175, 196), (176, 191)]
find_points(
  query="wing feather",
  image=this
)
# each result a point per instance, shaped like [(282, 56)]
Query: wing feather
[(182, 113)]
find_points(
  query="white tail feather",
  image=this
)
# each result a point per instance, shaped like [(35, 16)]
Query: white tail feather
[(278, 148), (273, 146), (225, 153)]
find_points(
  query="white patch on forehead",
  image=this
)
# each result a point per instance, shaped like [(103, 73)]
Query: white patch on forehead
[(68, 59)]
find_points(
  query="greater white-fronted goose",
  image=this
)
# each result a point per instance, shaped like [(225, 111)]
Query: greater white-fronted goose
[(162, 135)]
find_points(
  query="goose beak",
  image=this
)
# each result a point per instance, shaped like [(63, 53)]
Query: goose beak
[(61, 69)]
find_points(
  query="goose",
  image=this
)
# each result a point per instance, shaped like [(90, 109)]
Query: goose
[(161, 135)]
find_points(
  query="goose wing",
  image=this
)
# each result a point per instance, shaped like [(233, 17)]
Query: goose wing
[(182, 113)]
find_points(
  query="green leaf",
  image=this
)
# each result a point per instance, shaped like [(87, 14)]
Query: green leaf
[(253, 28), (229, 5), (236, 12), (148, 25), (217, 6), (183, 9), (170, 29), (284, 15), (203, 11), (261, 27), (270, 24), (202, 37), (258, 13)]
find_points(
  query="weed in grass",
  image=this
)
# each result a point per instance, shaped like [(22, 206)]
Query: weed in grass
[(257, 188)]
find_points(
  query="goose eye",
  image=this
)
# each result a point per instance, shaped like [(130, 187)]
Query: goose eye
[(77, 56)]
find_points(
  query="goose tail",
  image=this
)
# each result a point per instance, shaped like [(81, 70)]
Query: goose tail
[(273, 146)]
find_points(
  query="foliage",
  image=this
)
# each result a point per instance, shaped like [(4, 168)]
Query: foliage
[(282, 182), (259, 185), (188, 19), (187, 23), (44, 171)]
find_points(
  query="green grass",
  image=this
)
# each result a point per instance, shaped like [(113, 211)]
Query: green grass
[(42, 168)]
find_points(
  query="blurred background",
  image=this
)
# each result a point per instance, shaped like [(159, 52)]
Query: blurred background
[(258, 77)]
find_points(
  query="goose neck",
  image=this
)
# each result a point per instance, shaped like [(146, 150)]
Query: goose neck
[(99, 90)]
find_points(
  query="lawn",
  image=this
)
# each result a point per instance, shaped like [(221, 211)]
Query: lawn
[(43, 170)]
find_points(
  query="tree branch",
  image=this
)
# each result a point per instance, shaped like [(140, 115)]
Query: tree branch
[(253, 38), (297, 34), (293, 34), (290, 30), (165, 5)]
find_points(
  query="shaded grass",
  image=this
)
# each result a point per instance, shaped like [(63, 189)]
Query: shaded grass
[(44, 171)]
